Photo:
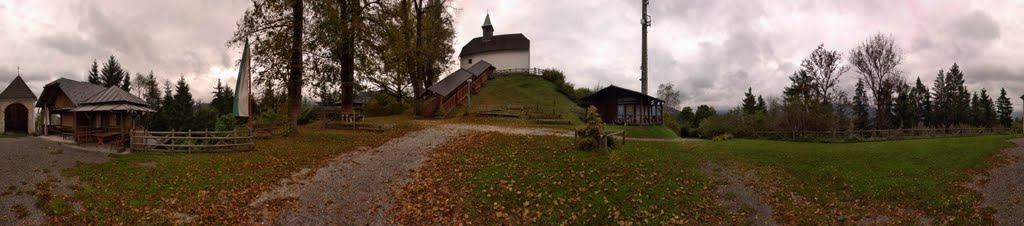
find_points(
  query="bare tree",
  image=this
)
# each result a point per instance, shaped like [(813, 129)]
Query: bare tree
[(668, 93), (824, 66), (877, 60)]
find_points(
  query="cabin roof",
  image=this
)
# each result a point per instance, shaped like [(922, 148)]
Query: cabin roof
[(480, 67), (114, 95), (497, 43), (450, 83), (613, 90), (17, 90)]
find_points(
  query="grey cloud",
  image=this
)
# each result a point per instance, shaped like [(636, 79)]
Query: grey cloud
[(68, 44), (978, 26)]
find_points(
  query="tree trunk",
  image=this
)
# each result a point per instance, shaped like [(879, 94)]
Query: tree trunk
[(348, 14), (294, 85)]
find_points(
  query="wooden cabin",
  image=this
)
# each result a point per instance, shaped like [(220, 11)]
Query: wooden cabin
[(481, 73), (453, 90), (89, 113), (622, 106)]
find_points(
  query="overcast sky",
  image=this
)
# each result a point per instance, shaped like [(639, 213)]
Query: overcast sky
[(711, 50)]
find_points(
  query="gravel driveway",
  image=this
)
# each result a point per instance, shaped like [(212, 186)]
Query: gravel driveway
[(355, 188), (25, 164), (1003, 187)]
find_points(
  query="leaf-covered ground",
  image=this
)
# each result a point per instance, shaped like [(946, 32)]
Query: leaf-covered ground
[(486, 178), (161, 188), (491, 178)]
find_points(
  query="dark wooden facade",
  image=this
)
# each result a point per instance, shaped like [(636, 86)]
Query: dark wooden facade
[(88, 113), (620, 106), (454, 89)]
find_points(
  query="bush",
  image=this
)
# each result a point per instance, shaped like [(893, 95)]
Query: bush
[(591, 133), (735, 123), (226, 122), (557, 78), (269, 116), (723, 137), (309, 114), (383, 105)]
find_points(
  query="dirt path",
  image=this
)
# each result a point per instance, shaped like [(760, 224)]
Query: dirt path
[(1003, 187), (737, 195), (30, 167), (355, 188)]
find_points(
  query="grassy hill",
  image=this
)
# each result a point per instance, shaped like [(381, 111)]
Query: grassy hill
[(528, 91)]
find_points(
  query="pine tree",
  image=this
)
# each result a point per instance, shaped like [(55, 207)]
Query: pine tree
[(922, 103), (904, 109), (223, 97), (1004, 108), (126, 85), (749, 102), (960, 98), (976, 111), (113, 74), (94, 74), (941, 102), (152, 94), (761, 105), (988, 111), (862, 117)]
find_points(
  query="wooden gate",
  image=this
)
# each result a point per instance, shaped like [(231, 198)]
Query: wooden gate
[(16, 118)]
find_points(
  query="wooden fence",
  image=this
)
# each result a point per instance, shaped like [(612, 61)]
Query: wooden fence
[(192, 141), (531, 71), (893, 134), (203, 141)]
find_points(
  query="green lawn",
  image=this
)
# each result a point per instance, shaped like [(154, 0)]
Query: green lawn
[(529, 91), (922, 175), (150, 187), (516, 179), (660, 132)]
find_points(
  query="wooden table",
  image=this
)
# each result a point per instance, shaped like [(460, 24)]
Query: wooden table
[(100, 137)]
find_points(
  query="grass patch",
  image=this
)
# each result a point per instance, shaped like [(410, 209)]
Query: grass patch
[(487, 178), (215, 188), (660, 132), (904, 179), (528, 91)]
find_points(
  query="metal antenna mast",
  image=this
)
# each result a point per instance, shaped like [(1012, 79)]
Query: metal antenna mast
[(644, 23)]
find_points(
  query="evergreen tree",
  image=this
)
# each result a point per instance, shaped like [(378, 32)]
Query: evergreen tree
[(904, 108), (960, 98), (941, 113), (761, 105), (922, 103), (1004, 108), (126, 85), (976, 111), (862, 117), (988, 111), (94, 74), (152, 94), (749, 102), (223, 98), (113, 74)]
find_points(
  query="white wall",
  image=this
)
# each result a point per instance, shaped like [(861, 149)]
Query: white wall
[(513, 59)]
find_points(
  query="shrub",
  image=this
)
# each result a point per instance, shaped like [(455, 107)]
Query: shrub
[(592, 131), (309, 114), (383, 105), (269, 116), (723, 137), (226, 122)]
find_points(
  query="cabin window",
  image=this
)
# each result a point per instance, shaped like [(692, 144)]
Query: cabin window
[(622, 111), (470, 60)]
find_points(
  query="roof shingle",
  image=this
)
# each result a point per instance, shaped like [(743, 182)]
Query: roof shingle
[(17, 90), (497, 43)]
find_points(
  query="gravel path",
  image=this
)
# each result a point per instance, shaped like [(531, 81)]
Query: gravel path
[(355, 188), (1003, 187), (29, 163), (736, 195)]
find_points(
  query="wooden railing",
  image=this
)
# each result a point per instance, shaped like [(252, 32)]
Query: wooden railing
[(192, 141), (532, 71)]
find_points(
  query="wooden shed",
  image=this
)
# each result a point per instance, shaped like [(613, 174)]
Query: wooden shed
[(89, 113), (451, 91), (622, 106)]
